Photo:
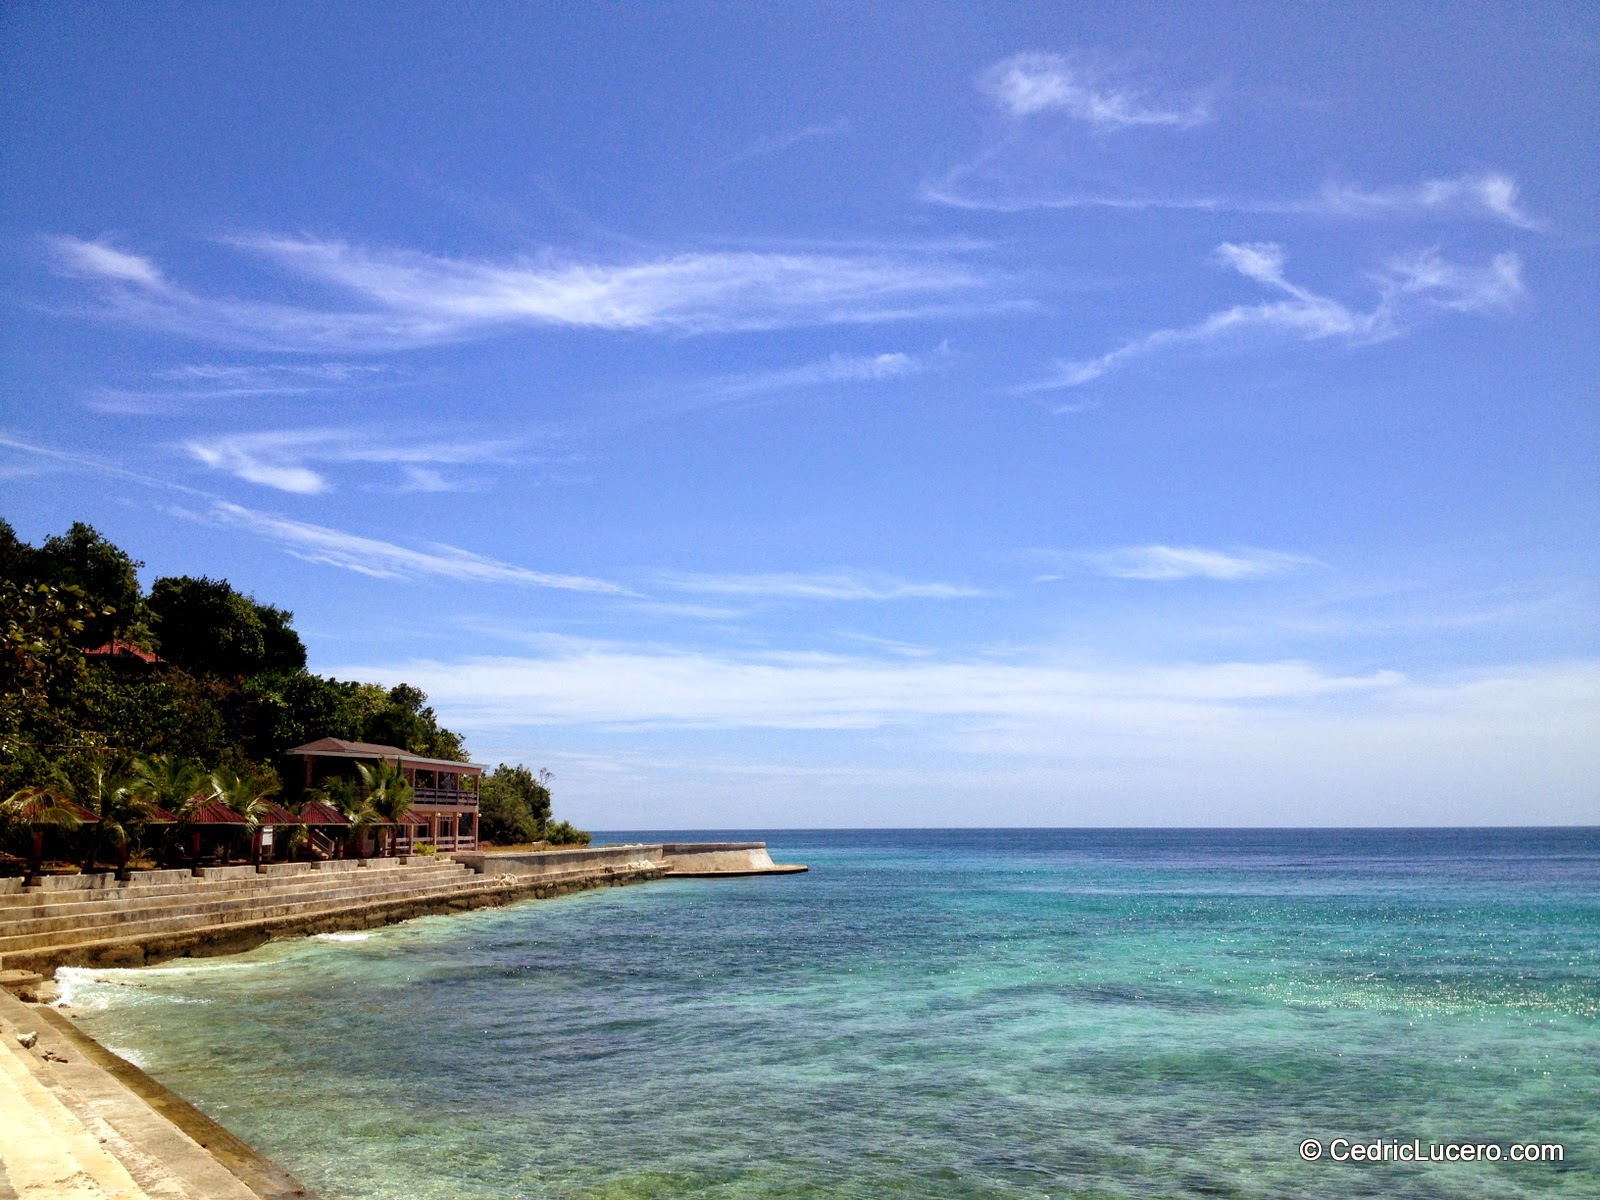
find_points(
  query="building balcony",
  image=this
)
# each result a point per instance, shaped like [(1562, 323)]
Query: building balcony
[(455, 798)]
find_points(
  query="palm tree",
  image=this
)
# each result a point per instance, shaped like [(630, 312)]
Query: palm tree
[(179, 785), (107, 792), (168, 780), (346, 796), (389, 792), (35, 808), (246, 795)]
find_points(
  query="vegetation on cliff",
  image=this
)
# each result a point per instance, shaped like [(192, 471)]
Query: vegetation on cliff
[(226, 694)]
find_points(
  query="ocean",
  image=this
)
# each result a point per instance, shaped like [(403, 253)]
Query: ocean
[(951, 1013)]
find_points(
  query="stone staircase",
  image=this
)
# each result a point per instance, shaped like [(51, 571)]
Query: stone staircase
[(96, 921)]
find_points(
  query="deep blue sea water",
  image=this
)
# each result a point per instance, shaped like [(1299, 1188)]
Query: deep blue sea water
[(1017, 1013)]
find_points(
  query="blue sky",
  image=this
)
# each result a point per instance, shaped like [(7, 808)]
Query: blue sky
[(797, 415)]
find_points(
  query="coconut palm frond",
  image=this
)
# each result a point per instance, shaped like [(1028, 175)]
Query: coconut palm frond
[(32, 807), (246, 794), (388, 790), (168, 780)]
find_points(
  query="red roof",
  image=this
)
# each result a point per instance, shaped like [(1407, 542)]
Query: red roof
[(86, 815), (320, 812), (160, 816), (117, 648), (332, 747), (215, 812)]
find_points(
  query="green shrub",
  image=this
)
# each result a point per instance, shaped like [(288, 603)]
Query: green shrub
[(561, 833)]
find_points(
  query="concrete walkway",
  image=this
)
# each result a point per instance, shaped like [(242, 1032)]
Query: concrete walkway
[(71, 1130)]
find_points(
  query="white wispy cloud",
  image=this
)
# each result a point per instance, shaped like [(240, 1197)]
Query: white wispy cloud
[(1019, 176), (776, 143), (1407, 287), (387, 560), (836, 368), (1194, 562), (581, 682), (282, 458), (1031, 83), (179, 388), (691, 293), (407, 298), (841, 586), (1486, 193), (68, 460), (1113, 745), (100, 260)]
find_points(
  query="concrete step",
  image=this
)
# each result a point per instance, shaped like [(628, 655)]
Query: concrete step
[(161, 927), (88, 899), (101, 881), (48, 1151), (96, 915), (202, 901), (127, 946), (167, 919), (211, 886)]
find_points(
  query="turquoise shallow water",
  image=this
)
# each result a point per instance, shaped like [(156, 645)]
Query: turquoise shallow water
[(929, 1013)]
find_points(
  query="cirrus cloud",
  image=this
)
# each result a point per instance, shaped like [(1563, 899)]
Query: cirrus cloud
[(1409, 286), (1030, 83), (406, 298)]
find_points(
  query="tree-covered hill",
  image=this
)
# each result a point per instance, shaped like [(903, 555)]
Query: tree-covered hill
[(231, 686)]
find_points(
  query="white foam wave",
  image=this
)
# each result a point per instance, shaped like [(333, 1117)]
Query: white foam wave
[(341, 937), (132, 1056)]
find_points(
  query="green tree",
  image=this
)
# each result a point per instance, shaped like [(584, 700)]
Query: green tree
[(234, 690), (346, 795), (163, 712), (41, 668), (103, 785), (282, 709), (513, 805), (18, 560), (405, 720), (208, 628), (107, 577), (281, 647), (246, 792), (563, 833)]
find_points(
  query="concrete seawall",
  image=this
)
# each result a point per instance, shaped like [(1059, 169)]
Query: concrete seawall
[(682, 860), (97, 920)]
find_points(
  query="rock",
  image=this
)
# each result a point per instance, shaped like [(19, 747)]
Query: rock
[(27, 1040), (43, 992)]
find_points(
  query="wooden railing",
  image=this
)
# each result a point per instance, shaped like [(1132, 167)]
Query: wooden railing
[(460, 798)]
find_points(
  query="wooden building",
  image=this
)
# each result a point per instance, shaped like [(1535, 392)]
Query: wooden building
[(445, 794)]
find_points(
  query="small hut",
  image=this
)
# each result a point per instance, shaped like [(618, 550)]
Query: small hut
[(213, 815)]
